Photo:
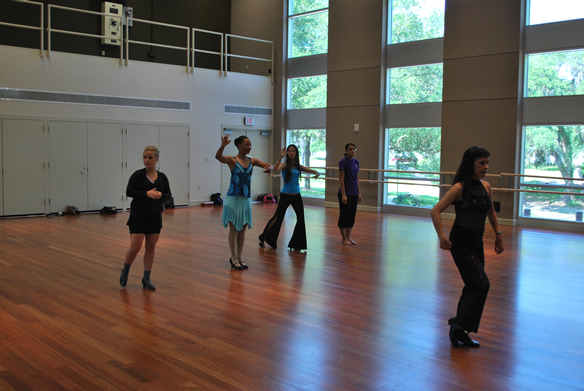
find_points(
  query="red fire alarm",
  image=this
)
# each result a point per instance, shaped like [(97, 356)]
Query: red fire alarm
[(248, 121)]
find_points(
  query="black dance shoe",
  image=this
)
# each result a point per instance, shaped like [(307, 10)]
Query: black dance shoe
[(123, 282), (456, 334), (468, 341), (236, 265), (147, 284), (244, 265)]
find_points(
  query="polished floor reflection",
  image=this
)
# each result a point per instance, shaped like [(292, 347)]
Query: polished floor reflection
[(365, 317)]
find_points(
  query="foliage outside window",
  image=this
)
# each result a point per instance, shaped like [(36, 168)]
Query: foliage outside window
[(312, 152), (555, 74), (415, 20), (413, 150), (308, 32), (555, 151), (307, 92), (549, 11), (419, 84), (302, 6)]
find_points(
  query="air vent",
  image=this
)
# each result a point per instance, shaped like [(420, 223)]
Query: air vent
[(230, 109), (83, 99)]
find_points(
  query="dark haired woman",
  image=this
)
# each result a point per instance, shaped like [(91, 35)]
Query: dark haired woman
[(349, 193), (148, 188), (237, 203), (289, 195), (472, 201)]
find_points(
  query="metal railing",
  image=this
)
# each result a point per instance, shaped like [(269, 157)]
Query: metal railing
[(228, 55), (124, 39), (103, 14), (443, 183), (129, 41), (512, 177), (41, 28), (195, 50)]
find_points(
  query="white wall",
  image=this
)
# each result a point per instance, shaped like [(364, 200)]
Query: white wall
[(206, 90)]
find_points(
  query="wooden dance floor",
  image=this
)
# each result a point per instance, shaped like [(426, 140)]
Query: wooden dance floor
[(365, 317)]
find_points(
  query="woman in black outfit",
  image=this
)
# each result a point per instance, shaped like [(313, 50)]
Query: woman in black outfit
[(148, 188), (472, 201)]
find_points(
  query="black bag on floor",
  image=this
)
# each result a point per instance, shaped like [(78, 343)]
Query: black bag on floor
[(108, 210), (216, 198)]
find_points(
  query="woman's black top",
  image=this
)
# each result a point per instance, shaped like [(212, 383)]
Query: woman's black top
[(472, 214), (144, 208)]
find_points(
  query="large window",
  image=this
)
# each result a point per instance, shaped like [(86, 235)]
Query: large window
[(308, 28), (307, 92), (418, 84), (312, 152), (551, 153), (415, 20), (549, 11), (555, 74), (416, 151)]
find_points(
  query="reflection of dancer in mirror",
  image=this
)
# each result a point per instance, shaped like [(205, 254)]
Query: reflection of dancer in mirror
[(290, 195), (148, 188), (349, 192), (237, 204), (472, 202)]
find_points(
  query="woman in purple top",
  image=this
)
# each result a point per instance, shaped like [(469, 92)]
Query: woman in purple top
[(349, 192)]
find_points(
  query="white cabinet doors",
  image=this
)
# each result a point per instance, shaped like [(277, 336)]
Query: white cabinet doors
[(105, 162), (67, 165), (23, 158), (85, 165)]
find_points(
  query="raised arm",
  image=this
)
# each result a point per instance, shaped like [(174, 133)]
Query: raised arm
[(219, 155), (451, 195), (279, 166)]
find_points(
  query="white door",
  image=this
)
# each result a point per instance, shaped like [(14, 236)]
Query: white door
[(174, 161), (105, 165), (68, 165), (260, 149), (23, 156)]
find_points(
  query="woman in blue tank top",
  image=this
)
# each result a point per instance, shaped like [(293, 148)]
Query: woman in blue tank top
[(289, 195), (237, 204), (472, 201)]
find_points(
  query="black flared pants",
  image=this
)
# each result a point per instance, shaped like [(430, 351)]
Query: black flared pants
[(468, 254), (272, 229)]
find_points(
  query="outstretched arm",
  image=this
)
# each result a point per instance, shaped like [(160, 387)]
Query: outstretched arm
[(309, 170), (258, 163)]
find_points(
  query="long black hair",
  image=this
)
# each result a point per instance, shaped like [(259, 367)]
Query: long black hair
[(466, 169), (290, 163)]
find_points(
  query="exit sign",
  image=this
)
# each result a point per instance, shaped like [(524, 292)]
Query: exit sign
[(248, 120)]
